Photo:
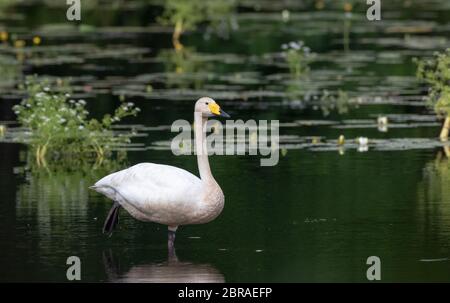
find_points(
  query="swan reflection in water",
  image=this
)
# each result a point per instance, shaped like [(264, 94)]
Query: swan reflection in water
[(171, 271)]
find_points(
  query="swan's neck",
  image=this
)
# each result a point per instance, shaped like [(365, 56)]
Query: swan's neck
[(212, 200), (200, 145)]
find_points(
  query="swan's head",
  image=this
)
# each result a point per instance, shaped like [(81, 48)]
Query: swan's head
[(209, 108)]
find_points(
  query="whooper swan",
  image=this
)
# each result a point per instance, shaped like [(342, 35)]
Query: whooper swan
[(166, 194)]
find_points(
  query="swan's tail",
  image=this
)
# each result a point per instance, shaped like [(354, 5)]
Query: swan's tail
[(112, 219)]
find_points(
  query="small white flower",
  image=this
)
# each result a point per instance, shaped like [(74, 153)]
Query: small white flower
[(125, 108), (82, 102), (46, 89), (81, 127), (137, 109), (362, 140), (62, 120), (285, 14), (39, 95), (67, 95), (130, 104), (294, 45), (383, 120)]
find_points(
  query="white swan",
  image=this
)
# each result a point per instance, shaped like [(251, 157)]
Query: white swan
[(166, 194)]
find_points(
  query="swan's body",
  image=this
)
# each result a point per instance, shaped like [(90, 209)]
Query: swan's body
[(166, 194), (163, 194)]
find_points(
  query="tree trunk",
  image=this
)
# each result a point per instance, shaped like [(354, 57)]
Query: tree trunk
[(447, 151), (445, 128), (178, 30)]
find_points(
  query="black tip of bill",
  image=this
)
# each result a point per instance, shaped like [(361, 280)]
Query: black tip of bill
[(224, 114)]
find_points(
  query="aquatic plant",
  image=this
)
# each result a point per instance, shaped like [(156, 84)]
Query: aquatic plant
[(436, 73), (297, 56), (348, 8), (340, 102), (187, 15), (59, 125)]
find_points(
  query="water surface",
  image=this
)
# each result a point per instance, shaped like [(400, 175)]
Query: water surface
[(315, 217)]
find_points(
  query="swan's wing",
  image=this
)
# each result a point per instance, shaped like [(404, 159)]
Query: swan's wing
[(147, 185)]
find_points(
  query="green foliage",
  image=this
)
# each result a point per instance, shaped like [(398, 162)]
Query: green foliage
[(61, 125), (436, 73), (297, 56), (10, 70), (6, 3), (191, 13), (340, 102)]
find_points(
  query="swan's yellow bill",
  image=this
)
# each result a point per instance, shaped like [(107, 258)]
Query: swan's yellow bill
[(214, 108)]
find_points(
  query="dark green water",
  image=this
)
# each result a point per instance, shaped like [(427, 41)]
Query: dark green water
[(315, 217)]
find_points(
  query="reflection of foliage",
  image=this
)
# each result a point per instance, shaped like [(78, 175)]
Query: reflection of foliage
[(348, 7), (340, 102), (10, 71), (435, 189), (436, 73), (181, 65), (6, 3), (325, 100), (186, 15), (295, 91), (297, 56), (60, 193), (346, 30), (60, 124), (78, 165)]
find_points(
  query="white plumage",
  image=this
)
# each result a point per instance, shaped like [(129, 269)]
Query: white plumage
[(167, 194), (153, 192)]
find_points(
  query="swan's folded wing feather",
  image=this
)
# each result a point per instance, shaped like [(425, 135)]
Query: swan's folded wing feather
[(148, 183)]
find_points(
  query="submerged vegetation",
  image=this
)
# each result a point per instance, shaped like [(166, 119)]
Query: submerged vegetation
[(436, 73), (59, 126)]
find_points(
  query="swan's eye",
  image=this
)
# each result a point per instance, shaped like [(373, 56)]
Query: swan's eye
[(207, 103)]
